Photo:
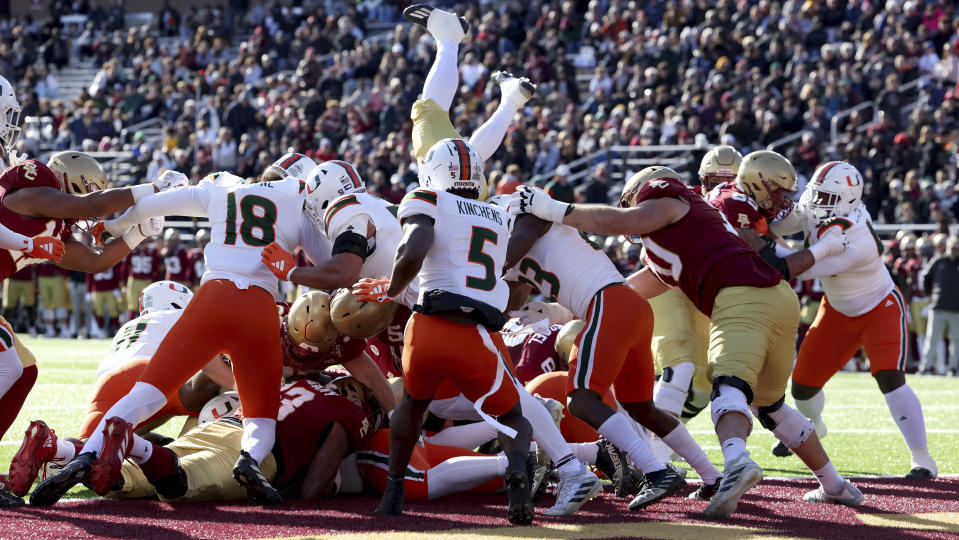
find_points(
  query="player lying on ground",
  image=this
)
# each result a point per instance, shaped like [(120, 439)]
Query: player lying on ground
[(161, 305), (862, 307), (754, 315)]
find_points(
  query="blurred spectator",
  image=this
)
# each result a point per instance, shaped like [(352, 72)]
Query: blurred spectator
[(941, 281)]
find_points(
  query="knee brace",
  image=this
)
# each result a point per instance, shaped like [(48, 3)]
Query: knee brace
[(672, 387), (735, 382), (696, 401), (725, 402), (786, 423)]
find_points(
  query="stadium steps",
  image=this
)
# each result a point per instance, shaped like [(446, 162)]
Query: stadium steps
[(74, 78)]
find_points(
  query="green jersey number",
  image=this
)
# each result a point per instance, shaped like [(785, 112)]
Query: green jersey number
[(540, 278), (478, 241), (129, 336), (252, 219)]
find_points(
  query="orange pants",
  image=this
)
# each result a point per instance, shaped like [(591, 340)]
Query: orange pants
[(116, 384), (470, 357), (613, 349), (372, 460), (224, 319), (553, 385), (833, 338)]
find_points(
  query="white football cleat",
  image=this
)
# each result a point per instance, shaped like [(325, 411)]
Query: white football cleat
[(517, 90), (741, 475), (442, 25), (574, 491), (849, 496)]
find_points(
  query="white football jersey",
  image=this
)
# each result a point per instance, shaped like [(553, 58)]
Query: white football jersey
[(138, 338), (363, 208), (243, 218), (469, 246), (566, 267), (856, 280)]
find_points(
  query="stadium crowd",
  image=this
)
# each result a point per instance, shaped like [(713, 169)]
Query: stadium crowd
[(236, 87)]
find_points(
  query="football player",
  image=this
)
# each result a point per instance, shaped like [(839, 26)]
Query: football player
[(457, 247), (861, 307), (196, 466), (195, 257), (103, 289), (759, 193), (719, 165), (142, 269), (52, 290), (754, 316), (176, 262), (161, 304), (612, 350), (233, 312)]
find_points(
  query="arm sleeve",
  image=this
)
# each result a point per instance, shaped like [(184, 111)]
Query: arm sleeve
[(189, 201), (12, 241), (833, 264)]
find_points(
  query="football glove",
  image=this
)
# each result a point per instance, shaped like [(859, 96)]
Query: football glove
[(530, 200), (171, 179), (145, 229), (278, 260), (372, 290), (550, 312), (833, 242), (44, 247)]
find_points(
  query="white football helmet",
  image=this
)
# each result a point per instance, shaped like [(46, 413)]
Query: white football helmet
[(9, 115), (295, 165), (835, 189), (326, 182), (452, 164), (164, 295)]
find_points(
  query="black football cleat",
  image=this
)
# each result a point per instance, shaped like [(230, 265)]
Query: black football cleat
[(54, 487), (659, 484), (920, 473), (781, 450), (9, 500), (247, 473), (520, 508), (391, 503)]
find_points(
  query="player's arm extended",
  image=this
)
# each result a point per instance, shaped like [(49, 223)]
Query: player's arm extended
[(416, 243), (644, 218), (318, 479), (365, 370), (47, 201), (188, 201), (12, 241), (832, 264), (79, 256), (527, 229), (342, 270), (646, 283)]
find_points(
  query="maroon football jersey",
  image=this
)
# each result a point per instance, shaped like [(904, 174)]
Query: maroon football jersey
[(144, 263), (701, 254), (104, 281), (24, 274), (740, 209), (385, 357), (177, 264), (307, 409), (196, 265), (48, 269), (30, 173), (538, 355)]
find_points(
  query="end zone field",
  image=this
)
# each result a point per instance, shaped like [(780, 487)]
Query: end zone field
[(863, 441)]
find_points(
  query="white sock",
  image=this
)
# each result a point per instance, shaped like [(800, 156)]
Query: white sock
[(812, 408), (487, 138), (585, 452), (467, 436), (463, 473), (140, 450), (907, 412), (443, 79), (259, 434), (829, 479), (732, 448), (660, 449), (143, 401), (545, 432), (682, 442), (617, 429), (11, 368), (66, 451)]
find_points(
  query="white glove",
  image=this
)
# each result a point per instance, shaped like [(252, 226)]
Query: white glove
[(549, 312), (149, 227), (171, 179), (529, 200), (834, 242)]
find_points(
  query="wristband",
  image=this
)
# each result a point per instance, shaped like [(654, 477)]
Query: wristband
[(140, 191)]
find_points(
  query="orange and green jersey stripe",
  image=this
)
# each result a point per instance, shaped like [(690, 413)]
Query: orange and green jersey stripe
[(341, 203)]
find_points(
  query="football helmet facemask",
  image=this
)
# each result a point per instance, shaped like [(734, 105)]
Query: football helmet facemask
[(9, 115), (309, 330), (326, 182), (770, 179), (164, 295), (835, 189)]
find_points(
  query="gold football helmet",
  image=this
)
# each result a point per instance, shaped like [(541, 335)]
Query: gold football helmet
[(719, 165), (566, 337), (638, 180), (77, 172), (352, 389), (357, 319), (308, 324), (768, 178)]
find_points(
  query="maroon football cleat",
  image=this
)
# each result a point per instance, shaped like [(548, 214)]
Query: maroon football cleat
[(117, 441), (39, 447)]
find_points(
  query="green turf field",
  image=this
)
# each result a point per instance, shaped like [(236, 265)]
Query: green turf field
[(862, 440)]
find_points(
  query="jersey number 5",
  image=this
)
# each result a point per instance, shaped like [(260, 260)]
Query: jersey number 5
[(257, 213), (476, 255)]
